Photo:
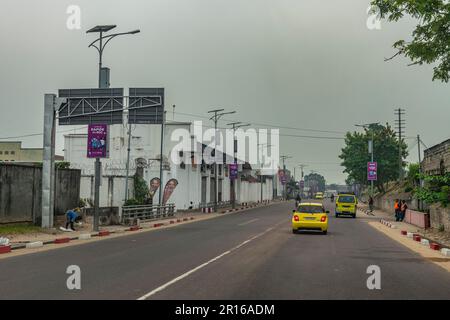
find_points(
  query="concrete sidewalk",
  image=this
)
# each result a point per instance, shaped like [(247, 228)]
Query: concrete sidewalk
[(443, 238)]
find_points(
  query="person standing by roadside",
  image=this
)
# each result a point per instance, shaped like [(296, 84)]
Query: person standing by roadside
[(371, 204), (403, 208), (397, 209)]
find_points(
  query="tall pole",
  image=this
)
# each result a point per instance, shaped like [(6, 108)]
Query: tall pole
[(284, 173), (98, 164), (161, 186), (128, 160), (371, 181), (215, 118), (400, 127), (100, 60), (419, 204)]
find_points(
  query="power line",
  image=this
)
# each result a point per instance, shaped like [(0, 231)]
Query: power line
[(37, 134), (265, 124)]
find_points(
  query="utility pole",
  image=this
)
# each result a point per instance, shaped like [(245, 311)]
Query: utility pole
[(217, 115), (235, 125), (283, 158), (400, 126), (419, 204), (161, 186), (371, 146), (302, 166), (260, 170)]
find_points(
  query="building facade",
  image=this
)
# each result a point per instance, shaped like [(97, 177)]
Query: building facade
[(437, 159), (12, 151), (195, 178)]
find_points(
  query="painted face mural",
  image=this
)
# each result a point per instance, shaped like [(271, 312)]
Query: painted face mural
[(154, 186), (168, 190)]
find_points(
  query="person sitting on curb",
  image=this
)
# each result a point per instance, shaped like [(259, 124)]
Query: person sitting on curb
[(72, 216)]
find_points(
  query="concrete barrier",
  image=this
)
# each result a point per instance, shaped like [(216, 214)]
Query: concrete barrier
[(5, 249), (435, 246), (445, 252), (425, 242), (84, 236), (61, 240), (410, 235), (35, 244)]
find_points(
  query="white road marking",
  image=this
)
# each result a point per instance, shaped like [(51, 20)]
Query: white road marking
[(243, 224), (184, 275)]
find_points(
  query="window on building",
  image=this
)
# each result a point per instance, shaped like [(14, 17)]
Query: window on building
[(13, 152), (6, 152), (1, 152)]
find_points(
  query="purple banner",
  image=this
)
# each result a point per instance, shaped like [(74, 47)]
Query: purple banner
[(233, 171), (97, 144), (372, 171)]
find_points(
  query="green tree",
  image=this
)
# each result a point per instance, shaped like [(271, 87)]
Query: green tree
[(430, 43), (315, 181), (355, 155), (140, 189)]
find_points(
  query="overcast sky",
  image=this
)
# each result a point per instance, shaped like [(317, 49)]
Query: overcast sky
[(299, 63)]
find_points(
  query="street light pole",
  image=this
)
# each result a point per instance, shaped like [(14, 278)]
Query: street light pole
[(104, 84), (365, 126), (234, 125), (260, 170), (217, 115)]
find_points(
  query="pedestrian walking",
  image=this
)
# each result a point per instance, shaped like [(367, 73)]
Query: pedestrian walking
[(403, 208), (397, 209), (298, 200), (371, 204)]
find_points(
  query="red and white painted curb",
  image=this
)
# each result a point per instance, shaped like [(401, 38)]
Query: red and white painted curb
[(207, 210), (388, 224), (87, 236), (418, 238)]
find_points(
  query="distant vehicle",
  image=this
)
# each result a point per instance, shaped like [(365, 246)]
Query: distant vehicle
[(310, 216), (319, 195), (346, 204)]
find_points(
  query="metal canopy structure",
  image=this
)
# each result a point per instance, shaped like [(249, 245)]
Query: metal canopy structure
[(146, 106), (86, 106)]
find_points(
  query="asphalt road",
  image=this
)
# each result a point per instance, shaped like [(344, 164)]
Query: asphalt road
[(247, 255)]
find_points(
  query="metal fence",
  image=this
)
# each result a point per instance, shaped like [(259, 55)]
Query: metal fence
[(130, 214)]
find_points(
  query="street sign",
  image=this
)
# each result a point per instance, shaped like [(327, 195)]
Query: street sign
[(233, 171), (146, 105), (97, 144), (372, 171), (86, 106), (301, 184)]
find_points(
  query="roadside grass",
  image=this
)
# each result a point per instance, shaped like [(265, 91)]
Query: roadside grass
[(18, 228)]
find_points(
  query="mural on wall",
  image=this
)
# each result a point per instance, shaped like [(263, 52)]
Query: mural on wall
[(168, 190)]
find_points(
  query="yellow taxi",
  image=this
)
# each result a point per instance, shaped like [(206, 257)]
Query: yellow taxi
[(346, 204), (310, 216), (319, 195)]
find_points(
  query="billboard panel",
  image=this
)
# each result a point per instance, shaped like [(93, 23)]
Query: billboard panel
[(97, 144), (146, 105), (372, 171), (86, 106)]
